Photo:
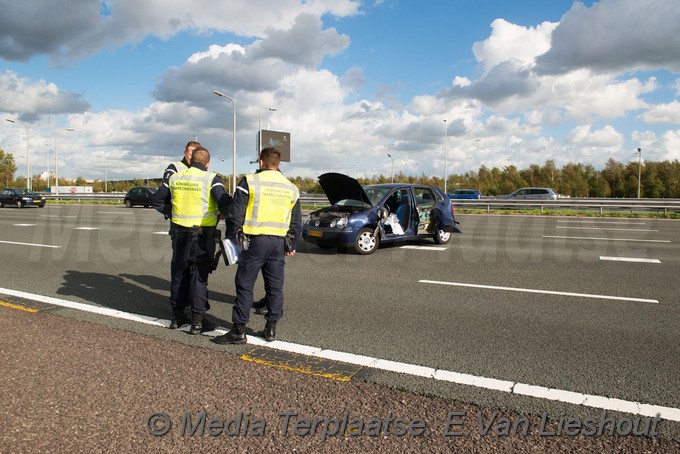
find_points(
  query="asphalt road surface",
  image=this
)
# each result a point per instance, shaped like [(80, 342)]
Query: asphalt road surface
[(583, 306)]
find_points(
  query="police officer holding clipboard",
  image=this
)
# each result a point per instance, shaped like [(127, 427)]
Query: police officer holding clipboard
[(266, 210)]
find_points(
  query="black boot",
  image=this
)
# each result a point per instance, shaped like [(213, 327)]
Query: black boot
[(237, 335), (196, 323), (179, 318), (269, 332)]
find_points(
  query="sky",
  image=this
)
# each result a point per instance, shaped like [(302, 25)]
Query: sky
[(362, 86)]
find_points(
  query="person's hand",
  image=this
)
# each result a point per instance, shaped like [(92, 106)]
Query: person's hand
[(290, 253)]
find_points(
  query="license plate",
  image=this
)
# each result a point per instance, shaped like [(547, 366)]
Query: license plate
[(316, 233), (37, 201)]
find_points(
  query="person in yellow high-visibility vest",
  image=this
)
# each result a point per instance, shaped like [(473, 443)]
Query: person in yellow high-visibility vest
[(194, 197), (266, 208)]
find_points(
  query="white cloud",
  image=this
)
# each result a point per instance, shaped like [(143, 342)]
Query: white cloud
[(607, 137), (662, 114), (616, 35), (20, 95)]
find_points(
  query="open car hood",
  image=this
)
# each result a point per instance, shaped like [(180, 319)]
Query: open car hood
[(338, 187)]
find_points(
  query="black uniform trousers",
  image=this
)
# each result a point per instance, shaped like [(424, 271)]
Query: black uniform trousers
[(192, 252), (266, 254)]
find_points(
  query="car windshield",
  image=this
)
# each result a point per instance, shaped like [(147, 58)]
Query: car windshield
[(352, 203), (21, 191), (375, 194)]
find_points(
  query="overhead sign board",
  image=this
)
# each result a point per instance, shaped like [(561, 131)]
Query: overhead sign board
[(278, 139)]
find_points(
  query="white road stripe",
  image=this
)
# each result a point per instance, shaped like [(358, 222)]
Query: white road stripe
[(588, 400), (115, 212), (160, 233), (57, 216), (604, 239), (30, 244), (629, 259), (424, 248), (605, 228), (86, 228), (23, 225), (603, 222), (545, 292)]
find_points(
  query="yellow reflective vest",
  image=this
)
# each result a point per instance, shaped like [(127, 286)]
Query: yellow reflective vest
[(192, 204), (271, 198)]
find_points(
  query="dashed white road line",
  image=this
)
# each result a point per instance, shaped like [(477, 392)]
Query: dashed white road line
[(629, 259), (24, 225), (30, 244), (86, 228), (545, 292), (601, 222), (588, 400), (424, 248), (605, 239), (605, 228)]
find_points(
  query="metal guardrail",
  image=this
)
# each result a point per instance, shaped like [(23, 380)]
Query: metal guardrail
[(596, 204)]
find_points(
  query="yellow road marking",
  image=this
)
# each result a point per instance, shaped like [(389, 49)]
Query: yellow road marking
[(16, 306), (320, 367)]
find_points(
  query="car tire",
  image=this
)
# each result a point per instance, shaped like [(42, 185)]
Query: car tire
[(442, 237), (128, 203), (2, 205), (366, 243), (19, 204)]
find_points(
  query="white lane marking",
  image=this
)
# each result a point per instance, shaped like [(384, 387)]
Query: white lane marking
[(57, 216), (545, 292), (605, 228), (86, 228), (588, 400), (29, 244), (23, 225), (115, 212), (160, 233), (604, 239), (424, 248), (604, 222), (629, 259)]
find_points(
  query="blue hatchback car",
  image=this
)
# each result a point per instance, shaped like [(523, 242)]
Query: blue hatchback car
[(363, 217), (465, 194)]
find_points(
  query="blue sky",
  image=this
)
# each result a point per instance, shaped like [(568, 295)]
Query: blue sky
[(517, 83)]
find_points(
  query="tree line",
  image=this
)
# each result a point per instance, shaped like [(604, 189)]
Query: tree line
[(615, 180)]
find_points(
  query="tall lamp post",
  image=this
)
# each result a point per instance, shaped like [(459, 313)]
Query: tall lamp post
[(446, 154), (106, 174), (390, 156), (28, 156), (56, 161), (639, 150), (233, 151), (259, 130)]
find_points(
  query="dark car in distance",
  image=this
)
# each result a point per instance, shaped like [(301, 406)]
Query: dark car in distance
[(531, 194), (364, 217), (465, 194), (140, 195), (20, 197)]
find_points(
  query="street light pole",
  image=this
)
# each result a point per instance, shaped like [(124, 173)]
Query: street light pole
[(392, 166), (28, 156), (56, 161), (259, 130), (234, 138), (639, 150), (446, 154), (106, 174)]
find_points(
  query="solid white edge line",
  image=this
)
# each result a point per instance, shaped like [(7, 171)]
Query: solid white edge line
[(629, 259), (570, 397), (604, 239), (30, 244), (606, 228), (424, 248), (545, 292), (86, 228)]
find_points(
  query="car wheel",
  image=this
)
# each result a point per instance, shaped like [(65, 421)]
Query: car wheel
[(365, 242), (2, 205), (19, 204), (128, 203), (442, 237)]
